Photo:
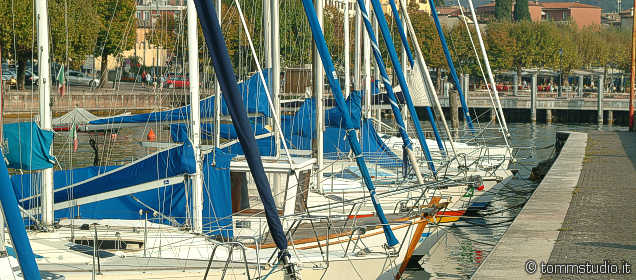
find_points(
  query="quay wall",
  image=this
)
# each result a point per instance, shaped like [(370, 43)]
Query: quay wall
[(533, 233)]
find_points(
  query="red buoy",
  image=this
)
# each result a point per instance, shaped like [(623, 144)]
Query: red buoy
[(151, 135)]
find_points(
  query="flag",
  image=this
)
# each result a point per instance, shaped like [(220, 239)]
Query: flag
[(74, 135), (61, 81)]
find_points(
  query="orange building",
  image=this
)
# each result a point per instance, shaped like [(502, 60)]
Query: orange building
[(564, 12)]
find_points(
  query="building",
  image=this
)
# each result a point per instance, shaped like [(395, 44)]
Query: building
[(148, 13), (562, 12), (423, 5)]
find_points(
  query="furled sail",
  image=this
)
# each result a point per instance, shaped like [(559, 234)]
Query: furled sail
[(225, 74)]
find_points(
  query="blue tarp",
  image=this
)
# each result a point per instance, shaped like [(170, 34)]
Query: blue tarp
[(169, 200), (28, 146), (179, 131), (252, 92), (299, 132)]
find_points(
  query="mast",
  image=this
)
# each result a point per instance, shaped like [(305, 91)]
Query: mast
[(334, 83), (15, 223), (356, 51), (451, 67), (491, 77), (318, 86), (407, 144), (408, 54), (195, 118), (46, 183), (388, 41), (231, 94), (347, 55), (633, 76), (217, 91), (267, 33), (275, 59), (366, 57), (426, 76)]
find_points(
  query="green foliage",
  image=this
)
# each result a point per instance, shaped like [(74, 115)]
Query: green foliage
[(73, 31), (117, 28), (462, 49), (79, 28), (503, 10), (521, 11), (428, 38)]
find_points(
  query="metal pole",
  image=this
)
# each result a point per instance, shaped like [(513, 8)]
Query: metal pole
[(491, 77), (46, 183), (366, 57), (193, 68), (267, 35), (347, 55), (275, 59), (426, 77), (217, 92), (318, 87), (356, 50), (633, 76)]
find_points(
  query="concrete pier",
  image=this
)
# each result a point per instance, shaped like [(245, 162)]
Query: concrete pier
[(580, 213), (534, 232), (580, 88), (610, 117), (601, 84), (548, 115)]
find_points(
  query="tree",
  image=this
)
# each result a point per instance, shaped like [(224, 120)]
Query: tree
[(521, 11), (567, 49), (462, 50), (500, 45), (503, 10), (73, 31), (16, 34), (71, 24), (117, 30)]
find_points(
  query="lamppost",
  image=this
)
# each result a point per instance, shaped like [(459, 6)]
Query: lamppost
[(560, 91)]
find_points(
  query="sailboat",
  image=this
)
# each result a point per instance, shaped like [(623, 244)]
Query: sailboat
[(317, 234)]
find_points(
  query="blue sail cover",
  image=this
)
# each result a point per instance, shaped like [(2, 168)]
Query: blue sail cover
[(161, 165), (28, 146), (252, 92), (169, 200), (179, 133)]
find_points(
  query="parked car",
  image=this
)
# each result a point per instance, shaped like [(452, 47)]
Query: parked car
[(9, 78), (176, 81), (79, 78)]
